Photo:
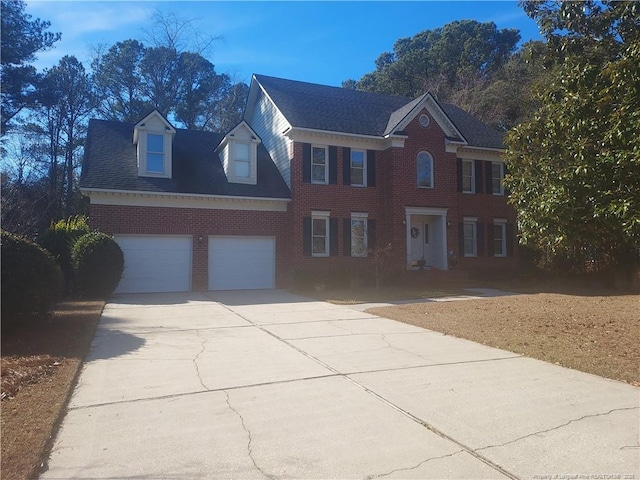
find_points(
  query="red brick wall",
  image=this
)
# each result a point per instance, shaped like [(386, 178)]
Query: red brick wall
[(197, 223), (484, 206), (396, 188)]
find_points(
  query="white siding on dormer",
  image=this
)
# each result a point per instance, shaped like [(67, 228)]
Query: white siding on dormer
[(270, 124), (154, 124), (227, 152), (224, 157)]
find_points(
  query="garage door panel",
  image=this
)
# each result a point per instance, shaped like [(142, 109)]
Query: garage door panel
[(238, 263), (155, 264)]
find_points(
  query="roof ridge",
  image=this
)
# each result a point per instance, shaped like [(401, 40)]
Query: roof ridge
[(364, 92)]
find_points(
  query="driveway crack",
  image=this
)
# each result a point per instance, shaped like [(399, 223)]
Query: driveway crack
[(406, 469), (250, 439), (195, 360), (557, 427)]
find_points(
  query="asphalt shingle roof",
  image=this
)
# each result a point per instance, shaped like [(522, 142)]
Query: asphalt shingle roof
[(321, 107), (111, 163)]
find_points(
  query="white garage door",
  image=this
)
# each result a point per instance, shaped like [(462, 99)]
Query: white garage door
[(241, 263), (155, 264)]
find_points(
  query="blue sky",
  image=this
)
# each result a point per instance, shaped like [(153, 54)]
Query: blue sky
[(321, 42)]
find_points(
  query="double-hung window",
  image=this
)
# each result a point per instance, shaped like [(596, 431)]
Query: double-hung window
[(359, 235), (468, 176), (155, 153), (319, 165), (424, 168), (320, 235), (497, 175), (358, 168), (470, 237), (242, 160), (499, 238)]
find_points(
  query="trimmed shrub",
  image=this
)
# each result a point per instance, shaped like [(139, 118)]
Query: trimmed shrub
[(31, 280), (59, 240), (98, 263)]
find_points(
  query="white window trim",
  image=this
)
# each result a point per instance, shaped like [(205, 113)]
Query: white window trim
[(432, 170), (502, 223), (152, 152), (154, 124), (501, 191), (355, 216), (253, 162), (473, 176), (474, 222), (320, 215), (364, 168), (326, 164)]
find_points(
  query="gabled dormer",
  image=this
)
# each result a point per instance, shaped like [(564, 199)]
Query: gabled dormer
[(238, 151), (153, 137)]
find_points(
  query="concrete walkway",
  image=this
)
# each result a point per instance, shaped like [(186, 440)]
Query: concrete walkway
[(474, 294), (270, 385)]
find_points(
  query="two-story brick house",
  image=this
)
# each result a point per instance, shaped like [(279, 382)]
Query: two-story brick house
[(312, 179)]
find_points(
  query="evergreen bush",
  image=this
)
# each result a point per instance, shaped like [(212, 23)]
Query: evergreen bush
[(98, 263), (59, 240), (30, 279)]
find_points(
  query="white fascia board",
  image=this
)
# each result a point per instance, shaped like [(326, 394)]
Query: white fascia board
[(178, 200), (338, 139), (436, 111), (436, 212), (141, 125), (225, 140), (478, 153)]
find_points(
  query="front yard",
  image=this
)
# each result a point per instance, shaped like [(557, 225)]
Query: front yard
[(595, 333), (40, 361)]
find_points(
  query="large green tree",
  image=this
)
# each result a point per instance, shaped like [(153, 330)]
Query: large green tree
[(453, 62), (22, 38), (575, 165)]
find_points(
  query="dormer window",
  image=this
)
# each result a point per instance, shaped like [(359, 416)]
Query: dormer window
[(238, 152), (242, 160), (155, 153), (153, 137)]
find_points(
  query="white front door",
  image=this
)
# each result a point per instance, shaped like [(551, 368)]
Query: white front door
[(242, 263), (426, 236), (421, 241)]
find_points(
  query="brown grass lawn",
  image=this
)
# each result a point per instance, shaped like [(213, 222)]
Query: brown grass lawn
[(594, 333), (40, 361)]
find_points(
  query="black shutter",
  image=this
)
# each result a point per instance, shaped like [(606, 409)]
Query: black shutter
[(306, 236), (333, 237), (489, 180), (480, 239), (478, 173), (346, 237), (461, 238), (306, 162), (333, 165), (346, 165), (371, 234), (459, 173), (371, 168), (509, 232)]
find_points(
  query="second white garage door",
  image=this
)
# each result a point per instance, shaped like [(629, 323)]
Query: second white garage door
[(155, 264), (241, 263)]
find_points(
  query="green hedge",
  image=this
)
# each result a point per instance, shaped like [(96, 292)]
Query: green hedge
[(59, 239), (98, 263), (31, 280)]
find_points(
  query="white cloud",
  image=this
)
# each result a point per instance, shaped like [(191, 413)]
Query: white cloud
[(84, 24)]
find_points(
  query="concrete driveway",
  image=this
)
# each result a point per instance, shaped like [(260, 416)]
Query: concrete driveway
[(270, 385)]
